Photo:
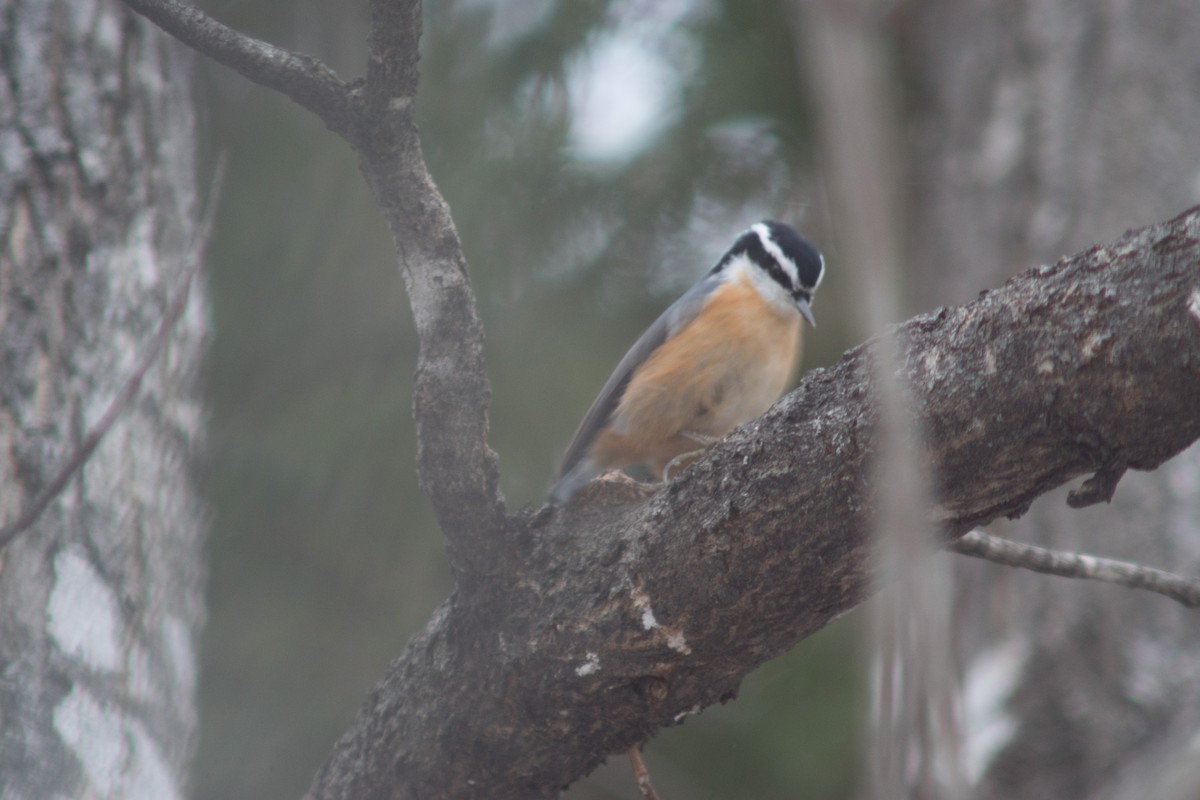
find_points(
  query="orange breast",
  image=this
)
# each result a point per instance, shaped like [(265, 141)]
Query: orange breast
[(725, 367)]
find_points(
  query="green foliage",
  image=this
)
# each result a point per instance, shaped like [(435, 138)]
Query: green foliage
[(325, 556)]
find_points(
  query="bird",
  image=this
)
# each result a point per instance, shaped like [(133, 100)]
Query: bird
[(719, 356)]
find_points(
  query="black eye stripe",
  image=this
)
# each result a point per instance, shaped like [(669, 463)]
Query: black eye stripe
[(804, 258), (750, 245), (782, 278)]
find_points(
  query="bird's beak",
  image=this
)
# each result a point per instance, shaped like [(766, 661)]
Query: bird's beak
[(805, 311)]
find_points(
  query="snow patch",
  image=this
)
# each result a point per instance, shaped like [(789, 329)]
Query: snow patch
[(987, 687), (931, 361), (95, 736), (181, 654), (641, 601), (989, 361), (118, 757), (687, 712), (590, 666), (1004, 137), (83, 614), (1193, 305), (676, 641), (1092, 345), (674, 637)]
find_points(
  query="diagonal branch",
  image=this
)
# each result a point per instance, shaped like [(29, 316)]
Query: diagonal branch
[(633, 606), (1078, 565), (304, 79)]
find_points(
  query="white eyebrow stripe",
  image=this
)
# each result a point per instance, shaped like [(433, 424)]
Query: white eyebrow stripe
[(764, 236), (821, 274)]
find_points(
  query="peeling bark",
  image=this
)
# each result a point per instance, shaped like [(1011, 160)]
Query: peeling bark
[(101, 599)]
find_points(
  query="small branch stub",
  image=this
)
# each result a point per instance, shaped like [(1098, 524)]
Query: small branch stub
[(641, 774), (1097, 489)]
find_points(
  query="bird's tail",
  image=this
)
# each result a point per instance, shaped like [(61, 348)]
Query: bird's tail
[(573, 480)]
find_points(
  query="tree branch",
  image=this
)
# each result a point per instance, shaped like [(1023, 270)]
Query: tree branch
[(1078, 565), (302, 78), (456, 468), (633, 607), (641, 775), (393, 62)]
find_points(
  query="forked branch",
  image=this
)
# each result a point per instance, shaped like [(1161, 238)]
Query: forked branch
[(457, 470)]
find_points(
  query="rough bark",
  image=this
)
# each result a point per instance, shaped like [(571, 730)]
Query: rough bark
[(302, 78), (629, 609), (1041, 126), (577, 633), (101, 599), (456, 468)]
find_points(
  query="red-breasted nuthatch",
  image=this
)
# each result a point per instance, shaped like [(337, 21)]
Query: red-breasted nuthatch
[(717, 357)]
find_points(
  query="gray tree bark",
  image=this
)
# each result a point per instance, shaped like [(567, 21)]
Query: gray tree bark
[(1042, 126), (101, 598)]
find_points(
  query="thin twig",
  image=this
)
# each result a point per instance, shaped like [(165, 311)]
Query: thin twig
[(641, 774), (123, 398), (1078, 565), (302, 78)]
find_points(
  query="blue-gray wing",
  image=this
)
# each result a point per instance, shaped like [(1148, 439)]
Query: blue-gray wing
[(575, 470)]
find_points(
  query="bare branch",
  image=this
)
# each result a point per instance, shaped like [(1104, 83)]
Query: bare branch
[(121, 401), (641, 774), (1078, 565), (393, 61), (302, 78), (456, 468)]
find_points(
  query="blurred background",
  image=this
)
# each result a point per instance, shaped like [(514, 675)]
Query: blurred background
[(598, 157)]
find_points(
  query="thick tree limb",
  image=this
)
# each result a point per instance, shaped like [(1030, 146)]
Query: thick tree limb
[(1078, 565), (456, 468), (632, 608)]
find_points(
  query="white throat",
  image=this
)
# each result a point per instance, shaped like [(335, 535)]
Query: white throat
[(742, 267)]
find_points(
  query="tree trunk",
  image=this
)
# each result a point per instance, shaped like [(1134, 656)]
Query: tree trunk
[(1044, 126), (101, 599)]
